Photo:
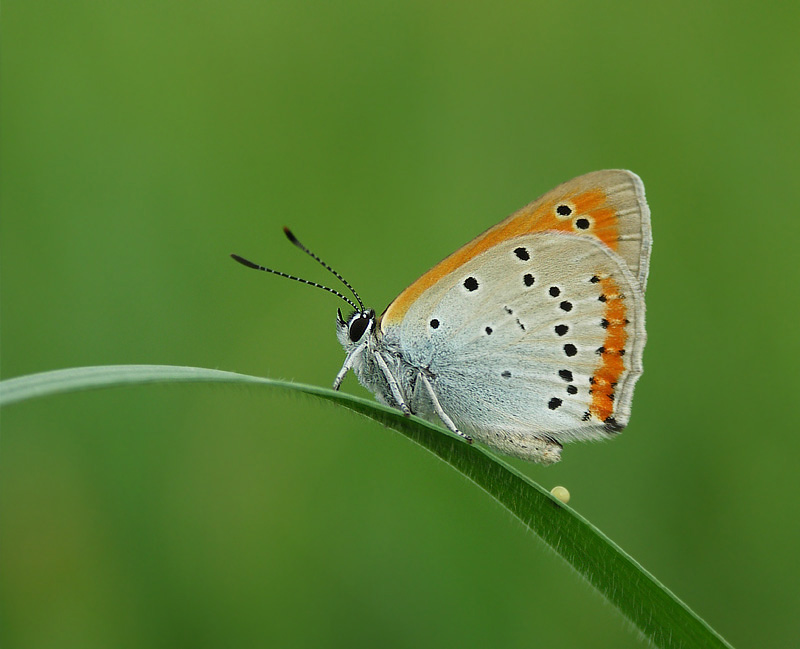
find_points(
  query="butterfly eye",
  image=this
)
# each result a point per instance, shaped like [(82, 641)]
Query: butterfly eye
[(359, 325)]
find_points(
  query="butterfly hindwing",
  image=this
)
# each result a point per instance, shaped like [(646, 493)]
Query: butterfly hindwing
[(540, 334)]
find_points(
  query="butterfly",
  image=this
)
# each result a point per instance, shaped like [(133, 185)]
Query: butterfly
[(529, 336)]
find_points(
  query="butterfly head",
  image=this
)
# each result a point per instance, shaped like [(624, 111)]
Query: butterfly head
[(356, 329)]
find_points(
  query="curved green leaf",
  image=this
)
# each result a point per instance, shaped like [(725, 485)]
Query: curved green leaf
[(655, 611)]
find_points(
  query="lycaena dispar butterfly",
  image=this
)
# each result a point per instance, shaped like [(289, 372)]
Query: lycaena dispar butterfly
[(530, 335)]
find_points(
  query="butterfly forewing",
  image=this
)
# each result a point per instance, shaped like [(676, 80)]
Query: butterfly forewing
[(608, 206)]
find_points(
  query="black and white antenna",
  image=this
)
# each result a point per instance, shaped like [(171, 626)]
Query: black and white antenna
[(294, 240)]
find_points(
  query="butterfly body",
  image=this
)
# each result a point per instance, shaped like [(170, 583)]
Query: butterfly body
[(529, 336)]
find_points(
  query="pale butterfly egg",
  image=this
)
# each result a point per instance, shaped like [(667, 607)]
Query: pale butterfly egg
[(562, 493), (529, 336)]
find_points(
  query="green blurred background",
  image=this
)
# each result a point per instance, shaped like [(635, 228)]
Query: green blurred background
[(144, 142)]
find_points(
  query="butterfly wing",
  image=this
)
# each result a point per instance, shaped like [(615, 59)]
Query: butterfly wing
[(539, 332), (607, 205)]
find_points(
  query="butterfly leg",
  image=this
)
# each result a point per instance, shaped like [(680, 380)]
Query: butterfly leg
[(348, 364), (438, 408), (398, 396)]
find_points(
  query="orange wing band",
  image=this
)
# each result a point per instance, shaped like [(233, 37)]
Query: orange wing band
[(612, 352)]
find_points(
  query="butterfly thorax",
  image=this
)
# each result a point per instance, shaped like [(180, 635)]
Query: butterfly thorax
[(363, 342)]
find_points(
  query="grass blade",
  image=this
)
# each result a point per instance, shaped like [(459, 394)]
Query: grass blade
[(658, 614)]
